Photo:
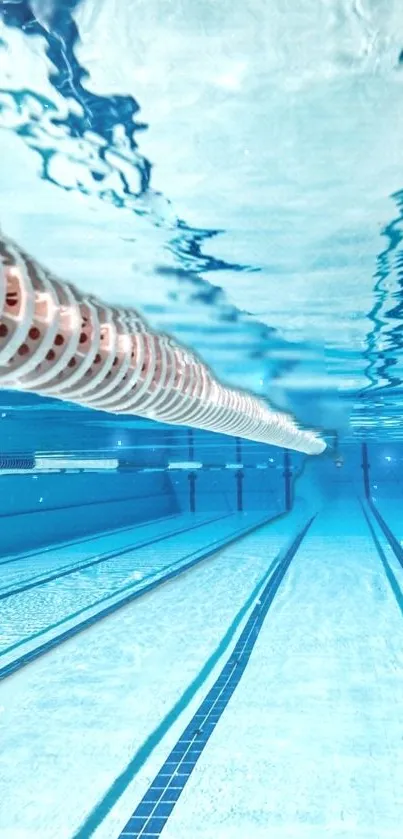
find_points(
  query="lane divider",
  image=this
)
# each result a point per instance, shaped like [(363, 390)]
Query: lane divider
[(32, 655), (58, 341), (67, 570), (151, 815)]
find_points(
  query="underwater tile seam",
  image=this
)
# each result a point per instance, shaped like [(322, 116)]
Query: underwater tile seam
[(32, 655), (104, 558), (152, 813)]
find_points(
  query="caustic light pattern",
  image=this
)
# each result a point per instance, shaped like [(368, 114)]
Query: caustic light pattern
[(58, 342)]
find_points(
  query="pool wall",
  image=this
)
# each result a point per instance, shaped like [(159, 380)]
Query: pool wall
[(66, 473)]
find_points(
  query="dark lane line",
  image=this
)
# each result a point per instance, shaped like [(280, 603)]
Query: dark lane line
[(104, 534), (87, 623), (393, 542), (150, 816), (388, 571), (121, 590), (103, 558)]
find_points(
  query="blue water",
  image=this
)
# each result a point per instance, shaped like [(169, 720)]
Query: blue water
[(200, 636)]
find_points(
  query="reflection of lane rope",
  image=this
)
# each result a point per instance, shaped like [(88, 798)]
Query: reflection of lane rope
[(87, 143), (56, 341)]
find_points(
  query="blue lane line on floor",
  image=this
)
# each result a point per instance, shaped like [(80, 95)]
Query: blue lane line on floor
[(151, 815), (46, 551), (72, 569), (394, 544), (46, 647), (134, 588), (388, 571), (136, 763)]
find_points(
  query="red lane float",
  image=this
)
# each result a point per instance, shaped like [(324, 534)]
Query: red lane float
[(57, 341)]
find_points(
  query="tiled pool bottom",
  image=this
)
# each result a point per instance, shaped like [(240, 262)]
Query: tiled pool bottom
[(268, 697)]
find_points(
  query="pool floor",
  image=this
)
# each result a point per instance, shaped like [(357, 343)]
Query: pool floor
[(257, 693)]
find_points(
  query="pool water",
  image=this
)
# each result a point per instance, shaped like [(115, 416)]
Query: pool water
[(200, 636)]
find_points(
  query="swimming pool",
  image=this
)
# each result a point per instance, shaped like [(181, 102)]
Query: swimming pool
[(201, 634)]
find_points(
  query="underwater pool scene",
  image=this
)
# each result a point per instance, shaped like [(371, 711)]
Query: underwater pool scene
[(201, 438)]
